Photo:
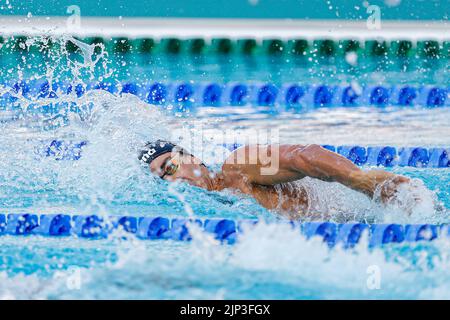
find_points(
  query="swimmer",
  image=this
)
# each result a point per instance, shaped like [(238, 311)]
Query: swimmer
[(247, 170)]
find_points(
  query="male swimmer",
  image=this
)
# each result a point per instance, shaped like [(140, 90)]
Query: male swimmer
[(250, 170)]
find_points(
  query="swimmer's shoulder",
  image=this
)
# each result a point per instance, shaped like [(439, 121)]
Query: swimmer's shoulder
[(244, 155), (250, 158), (235, 169), (238, 161)]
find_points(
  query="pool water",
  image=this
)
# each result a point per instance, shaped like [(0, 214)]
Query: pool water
[(42, 56), (271, 261)]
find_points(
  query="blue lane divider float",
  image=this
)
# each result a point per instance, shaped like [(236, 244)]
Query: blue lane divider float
[(225, 230), (384, 156), (388, 156), (292, 95)]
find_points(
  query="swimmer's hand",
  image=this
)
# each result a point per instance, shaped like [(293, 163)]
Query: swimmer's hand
[(376, 181), (386, 184), (397, 191)]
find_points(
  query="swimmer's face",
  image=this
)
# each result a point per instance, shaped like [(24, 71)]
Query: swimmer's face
[(179, 166)]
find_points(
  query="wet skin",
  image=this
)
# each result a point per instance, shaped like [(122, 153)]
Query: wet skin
[(242, 171)]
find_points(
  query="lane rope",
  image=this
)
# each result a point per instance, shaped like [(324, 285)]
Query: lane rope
[(428, 48), (224, 230), (186, 94), (384, 156)]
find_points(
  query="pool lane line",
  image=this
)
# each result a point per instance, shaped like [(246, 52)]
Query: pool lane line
[(183, 95), (224, 37), (383, 156), (226, 231)]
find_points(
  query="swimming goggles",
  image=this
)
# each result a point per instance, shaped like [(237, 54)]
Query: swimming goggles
[(172, 164)]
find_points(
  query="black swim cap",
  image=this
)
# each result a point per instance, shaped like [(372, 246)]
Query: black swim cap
[(153, 150)]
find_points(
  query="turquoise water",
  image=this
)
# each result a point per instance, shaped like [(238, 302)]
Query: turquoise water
[(278, 9), (34, 62), (271, 261)]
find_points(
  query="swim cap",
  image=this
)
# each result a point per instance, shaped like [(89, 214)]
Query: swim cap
[(153, 150)]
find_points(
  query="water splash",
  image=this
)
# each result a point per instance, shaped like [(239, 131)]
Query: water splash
[(270, 261)]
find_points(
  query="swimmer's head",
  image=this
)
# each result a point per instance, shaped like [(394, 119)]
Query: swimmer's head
[(173, 163)]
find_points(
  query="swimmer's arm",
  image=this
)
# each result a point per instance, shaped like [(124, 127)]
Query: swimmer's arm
[(274, 164), (320, 163)]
